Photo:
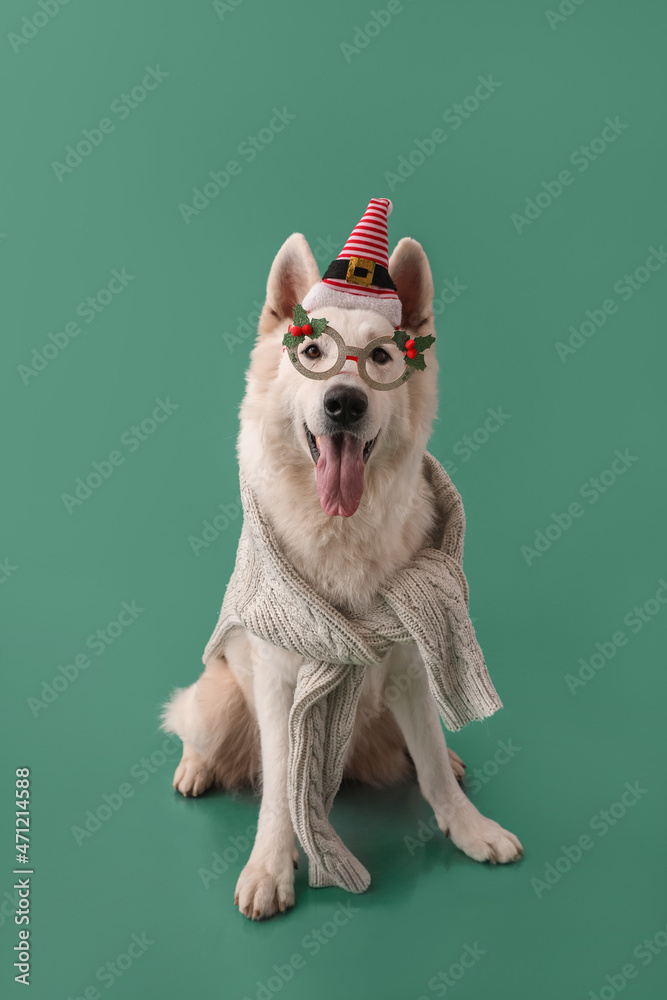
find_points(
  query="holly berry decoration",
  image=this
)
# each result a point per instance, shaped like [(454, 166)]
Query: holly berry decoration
[(413, 348), (303, 327)]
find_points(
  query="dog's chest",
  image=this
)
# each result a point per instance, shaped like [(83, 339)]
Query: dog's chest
[(347, 570)]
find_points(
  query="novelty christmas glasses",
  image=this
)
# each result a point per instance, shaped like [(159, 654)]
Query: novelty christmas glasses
[(318, 351)]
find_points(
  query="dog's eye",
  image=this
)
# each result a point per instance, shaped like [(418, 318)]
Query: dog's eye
[(312, 351), (380, 356)]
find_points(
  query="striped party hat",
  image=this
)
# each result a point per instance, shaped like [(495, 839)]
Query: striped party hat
[(359, 278)]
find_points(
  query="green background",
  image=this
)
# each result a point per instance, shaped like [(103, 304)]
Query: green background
[(170, 334)]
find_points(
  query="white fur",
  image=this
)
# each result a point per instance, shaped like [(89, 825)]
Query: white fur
[(345, 559)]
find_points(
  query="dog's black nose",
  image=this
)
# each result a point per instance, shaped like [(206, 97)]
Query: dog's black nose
[(345, 404)]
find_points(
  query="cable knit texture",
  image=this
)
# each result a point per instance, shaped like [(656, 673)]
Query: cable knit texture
[(426, 603)]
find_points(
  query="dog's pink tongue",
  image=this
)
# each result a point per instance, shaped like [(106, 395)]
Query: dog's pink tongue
[(340, 474)]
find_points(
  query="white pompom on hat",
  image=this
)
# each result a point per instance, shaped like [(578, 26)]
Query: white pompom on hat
[(359, 277)]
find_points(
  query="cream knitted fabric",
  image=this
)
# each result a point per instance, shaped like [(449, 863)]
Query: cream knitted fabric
[(426, 603)]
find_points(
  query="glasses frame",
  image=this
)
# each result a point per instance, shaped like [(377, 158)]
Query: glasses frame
[(360, 357)]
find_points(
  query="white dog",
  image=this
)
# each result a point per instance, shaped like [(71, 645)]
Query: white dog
[(310, 460)]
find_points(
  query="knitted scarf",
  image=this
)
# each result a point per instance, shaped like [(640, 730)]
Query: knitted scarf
[(425, 603)]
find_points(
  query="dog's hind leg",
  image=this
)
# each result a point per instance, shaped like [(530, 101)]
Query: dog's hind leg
[(219, 732), (192, 776), (416, 713)]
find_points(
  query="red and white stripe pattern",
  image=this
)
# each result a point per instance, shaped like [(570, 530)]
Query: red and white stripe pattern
[(369, 241), (369, 238)]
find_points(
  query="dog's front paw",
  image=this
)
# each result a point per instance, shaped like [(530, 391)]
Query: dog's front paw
[(263, 890), (482, 839), (192, 776)]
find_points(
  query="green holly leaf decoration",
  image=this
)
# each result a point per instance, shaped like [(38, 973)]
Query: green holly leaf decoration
[(301, 318), (399, 339), (300, 315), (319, 326), (417, 363), (423, 343)]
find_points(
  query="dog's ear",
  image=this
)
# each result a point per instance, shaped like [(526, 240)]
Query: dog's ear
[(293, 272), (411, 273)]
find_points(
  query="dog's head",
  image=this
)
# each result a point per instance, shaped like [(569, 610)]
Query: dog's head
[(339, 433)]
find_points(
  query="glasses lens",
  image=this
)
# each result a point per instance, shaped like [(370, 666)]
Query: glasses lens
[(318, 355), (385, 364)]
